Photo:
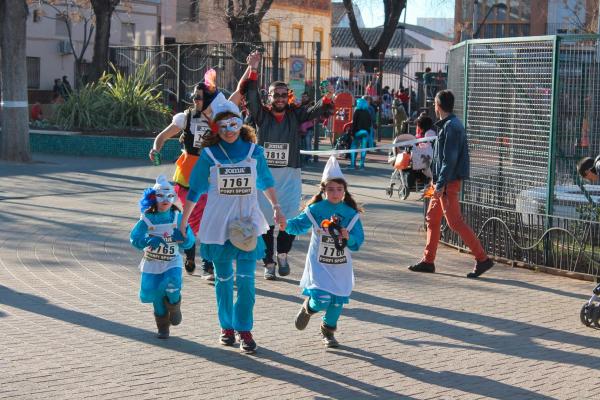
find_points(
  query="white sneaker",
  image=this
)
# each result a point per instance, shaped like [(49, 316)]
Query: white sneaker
[(270, 272), (284, 266)]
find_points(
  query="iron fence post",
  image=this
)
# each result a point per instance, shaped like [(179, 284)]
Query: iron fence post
[(275, 62), (316, 84), (552, 137), (552, 145), (379, 93), (178, 76), (465, 103)]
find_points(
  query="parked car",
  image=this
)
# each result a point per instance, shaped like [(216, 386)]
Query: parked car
[(568, 200)]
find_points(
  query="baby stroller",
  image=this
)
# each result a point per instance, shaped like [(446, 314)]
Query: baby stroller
[(404, 177), (345, 141), (590, 312)]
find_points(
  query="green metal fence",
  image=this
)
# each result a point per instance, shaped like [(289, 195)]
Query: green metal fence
[(531, 108)]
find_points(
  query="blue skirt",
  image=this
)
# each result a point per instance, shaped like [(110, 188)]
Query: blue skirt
[(318, 292), (227, 251), (154, 286)]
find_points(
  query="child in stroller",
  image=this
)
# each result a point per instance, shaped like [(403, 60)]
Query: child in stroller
[(345, 141), (412, 163)]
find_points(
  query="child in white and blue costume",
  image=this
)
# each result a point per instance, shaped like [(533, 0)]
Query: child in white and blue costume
[(156, 233), (231, 169), (328, 277)]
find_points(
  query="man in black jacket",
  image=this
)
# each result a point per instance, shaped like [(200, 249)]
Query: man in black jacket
[(278, 132)]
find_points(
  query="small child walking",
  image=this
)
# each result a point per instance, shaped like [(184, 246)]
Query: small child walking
[(156, 233), (328, 277)]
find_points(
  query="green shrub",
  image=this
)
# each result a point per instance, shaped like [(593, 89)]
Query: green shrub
[(116, 101)]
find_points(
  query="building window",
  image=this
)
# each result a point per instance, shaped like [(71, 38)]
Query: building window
[(127, 33), (33, 72), (37, 15), (318, 35), (297, 36), (61, 22), (274, 32), (187, 10), (194, 10)]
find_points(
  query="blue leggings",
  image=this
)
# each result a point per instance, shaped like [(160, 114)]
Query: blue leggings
[(238, 315), (325, 301), (154, 288), (363, 137)]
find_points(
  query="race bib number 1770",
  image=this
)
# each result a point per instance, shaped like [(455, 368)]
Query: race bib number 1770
[(328, 254)]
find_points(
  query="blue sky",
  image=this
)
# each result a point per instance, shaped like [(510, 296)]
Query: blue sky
[(372, 10)]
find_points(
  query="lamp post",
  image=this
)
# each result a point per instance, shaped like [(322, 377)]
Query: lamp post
[(476, 18)]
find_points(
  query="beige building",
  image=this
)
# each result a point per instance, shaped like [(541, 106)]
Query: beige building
[(290, 21), (48, 48)]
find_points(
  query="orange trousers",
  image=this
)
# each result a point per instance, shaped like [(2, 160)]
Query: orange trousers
[(447, 205)]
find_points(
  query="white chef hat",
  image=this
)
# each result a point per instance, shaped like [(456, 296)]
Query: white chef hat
[(332, 170)]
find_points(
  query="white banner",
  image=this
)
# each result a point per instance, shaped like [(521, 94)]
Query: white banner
[(384, 147)]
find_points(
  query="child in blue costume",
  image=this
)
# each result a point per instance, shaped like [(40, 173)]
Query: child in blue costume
[(157, 235), (328, 278), (231, 169)]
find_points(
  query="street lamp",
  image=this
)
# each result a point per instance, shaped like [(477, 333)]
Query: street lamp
[(475, 16)]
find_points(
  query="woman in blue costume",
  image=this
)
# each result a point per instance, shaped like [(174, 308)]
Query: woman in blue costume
[(231, 169), (157, 235), (328, 277), (361, 126)]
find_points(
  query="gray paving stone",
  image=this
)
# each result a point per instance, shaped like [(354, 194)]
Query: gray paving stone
[(73, 327)]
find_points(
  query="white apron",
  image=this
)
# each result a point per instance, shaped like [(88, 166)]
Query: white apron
[(163, 258), (326, 267), (232, 194)]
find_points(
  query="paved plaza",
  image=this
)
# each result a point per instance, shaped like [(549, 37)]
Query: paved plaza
[(72, 326)]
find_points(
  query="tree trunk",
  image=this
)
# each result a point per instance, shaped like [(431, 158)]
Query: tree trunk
[(245, 34), (103, 11), (14, 142)]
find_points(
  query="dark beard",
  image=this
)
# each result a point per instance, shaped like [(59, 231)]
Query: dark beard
[(281, 109)]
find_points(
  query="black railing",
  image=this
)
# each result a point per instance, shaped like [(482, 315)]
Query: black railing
[(181, 66)]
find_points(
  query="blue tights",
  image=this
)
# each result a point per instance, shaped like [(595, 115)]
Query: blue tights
[(154, 288), (325, 301), (363, 137), (238, 315)]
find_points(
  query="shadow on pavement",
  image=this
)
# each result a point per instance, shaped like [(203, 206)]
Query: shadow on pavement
[(445, 379), (331, 384)]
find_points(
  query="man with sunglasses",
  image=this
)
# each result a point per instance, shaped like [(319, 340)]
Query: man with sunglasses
[(278, 125)]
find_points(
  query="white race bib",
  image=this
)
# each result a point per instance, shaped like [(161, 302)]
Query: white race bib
[(235, 181), (328, 254), (277, 154), (198, 127), (162, 252)]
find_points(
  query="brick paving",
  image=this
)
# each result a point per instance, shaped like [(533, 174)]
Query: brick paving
[(71, 324)]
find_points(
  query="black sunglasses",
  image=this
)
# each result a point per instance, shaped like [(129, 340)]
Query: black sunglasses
[(198, 98)]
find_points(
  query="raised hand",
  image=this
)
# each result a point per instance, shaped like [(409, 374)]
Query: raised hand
[(253, 59)]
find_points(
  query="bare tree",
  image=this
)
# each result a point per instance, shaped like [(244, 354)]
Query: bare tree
[(392, 10), (580, 18), (14, 143), (244, 19)]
